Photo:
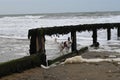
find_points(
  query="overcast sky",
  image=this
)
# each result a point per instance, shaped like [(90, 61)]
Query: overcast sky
[(56, 6)]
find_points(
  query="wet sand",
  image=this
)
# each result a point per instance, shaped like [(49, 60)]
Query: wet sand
[(81, 71)]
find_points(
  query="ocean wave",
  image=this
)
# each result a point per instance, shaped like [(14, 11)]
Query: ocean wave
[(18, 26), (23, 17), (13, 37)]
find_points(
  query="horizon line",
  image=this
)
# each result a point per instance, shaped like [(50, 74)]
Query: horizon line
[(54, 13)]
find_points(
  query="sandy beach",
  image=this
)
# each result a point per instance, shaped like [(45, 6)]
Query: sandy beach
[(81, 71)]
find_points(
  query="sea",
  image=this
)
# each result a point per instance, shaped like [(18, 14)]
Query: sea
[(14, 28)]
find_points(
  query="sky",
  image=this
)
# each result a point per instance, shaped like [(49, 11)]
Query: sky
[(57, 6)]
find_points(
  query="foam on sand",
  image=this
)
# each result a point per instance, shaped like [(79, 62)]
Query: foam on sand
[(80, 59)]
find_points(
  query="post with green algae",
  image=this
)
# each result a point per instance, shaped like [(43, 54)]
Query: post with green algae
[(41, 45), (37, 43), (40, 39), (108, 33)]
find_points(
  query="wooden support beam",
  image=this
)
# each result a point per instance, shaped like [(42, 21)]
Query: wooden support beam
[(94, 36), (108, 34), (32, 49), (41, 49), (118, 32), (37, 45), (73, 37), (41, 44)]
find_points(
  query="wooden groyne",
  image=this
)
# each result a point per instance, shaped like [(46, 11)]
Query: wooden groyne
[(37, 36)]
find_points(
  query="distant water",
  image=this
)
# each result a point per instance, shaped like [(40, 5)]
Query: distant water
[(16, 26), (14, 30)]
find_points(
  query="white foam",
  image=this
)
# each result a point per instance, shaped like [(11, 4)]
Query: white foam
[(80, 59), (17, 27)]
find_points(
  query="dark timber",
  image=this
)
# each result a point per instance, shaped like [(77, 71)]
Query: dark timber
[(108, 34), (37, 36), (37, 44), (73, 37), (118, 32), (94, 36)]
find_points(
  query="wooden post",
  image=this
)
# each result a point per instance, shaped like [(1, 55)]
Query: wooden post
[(73, 37), (41, 44), (32, 37), (94, 36), (118, 33), (41, 48), (108, 33), (37, 44)]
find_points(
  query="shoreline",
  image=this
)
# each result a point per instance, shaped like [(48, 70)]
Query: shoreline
[(80, 71)]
